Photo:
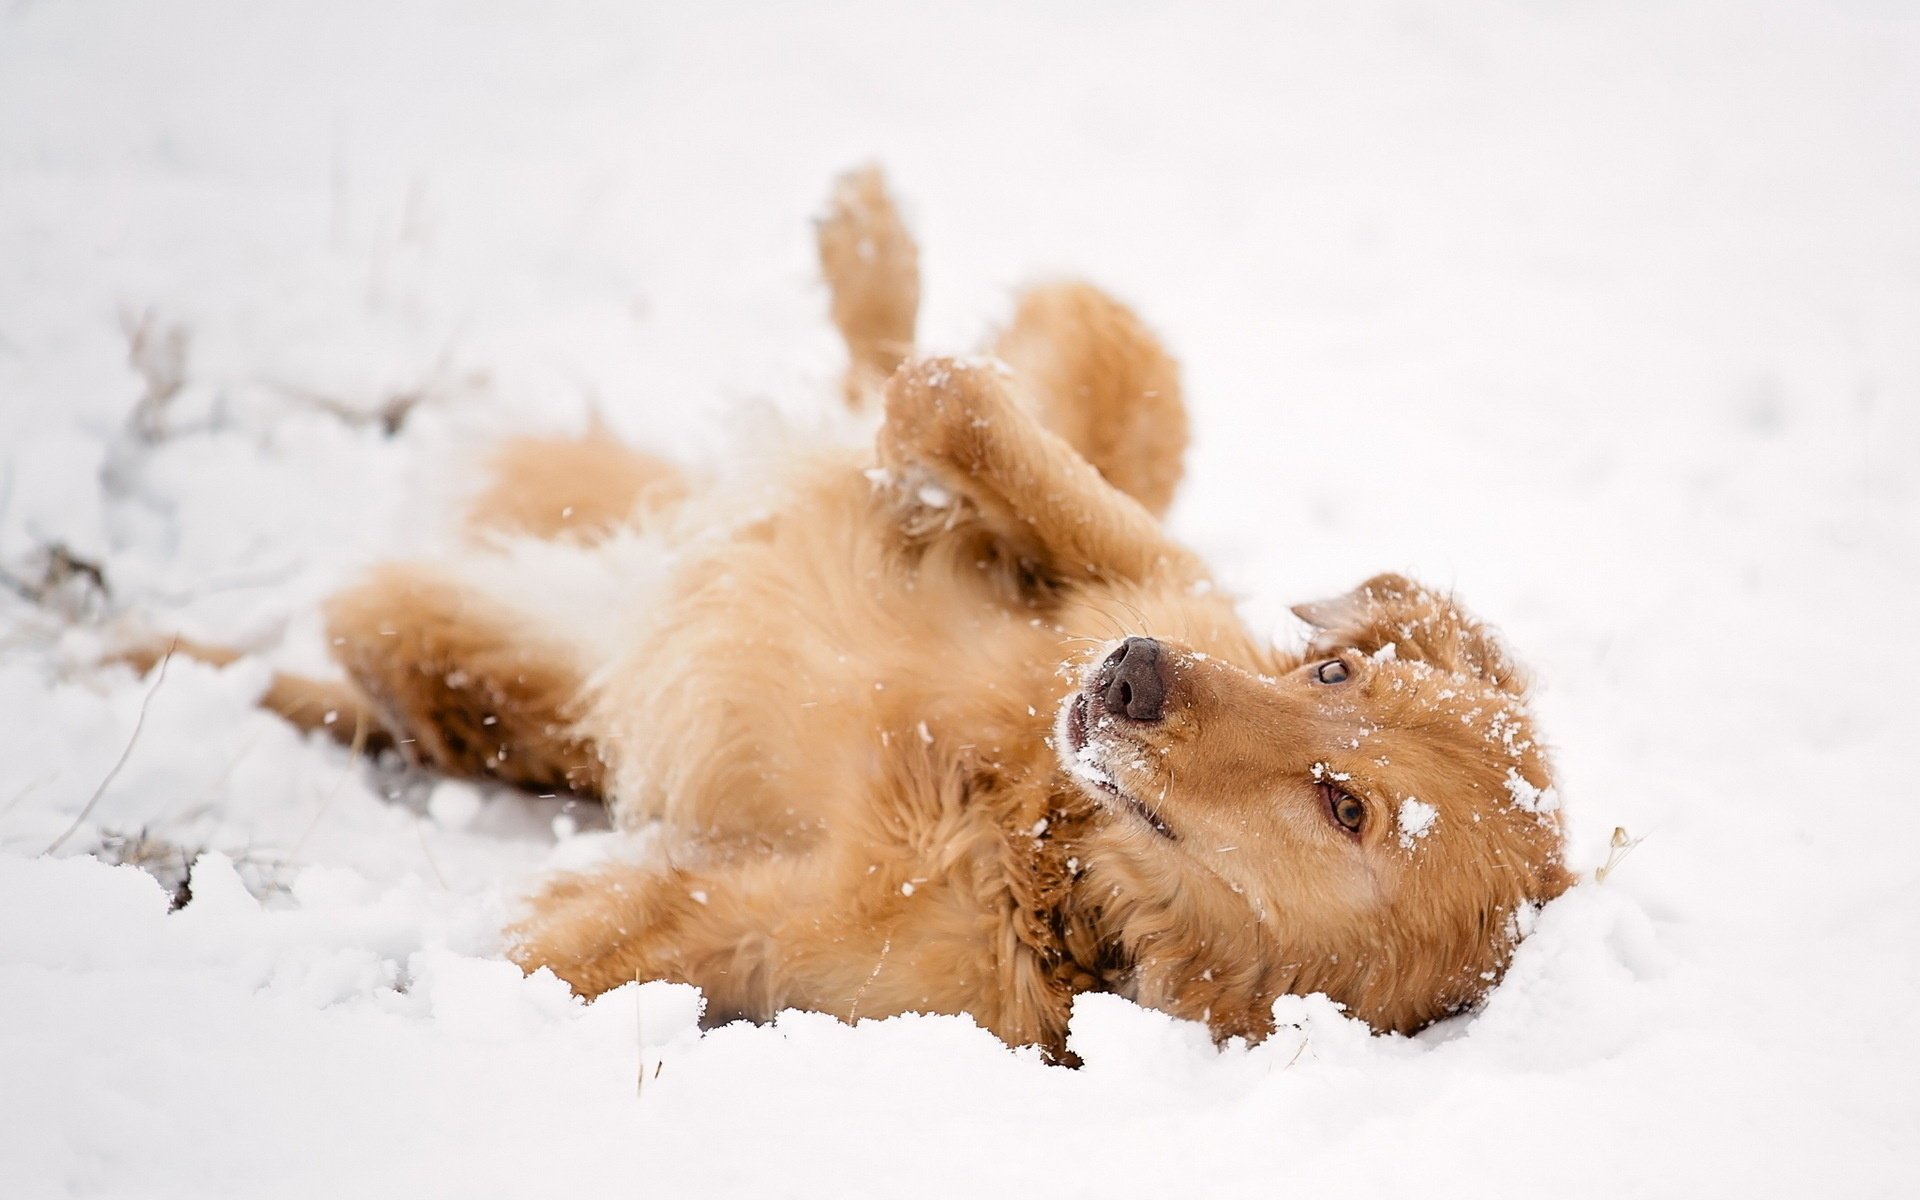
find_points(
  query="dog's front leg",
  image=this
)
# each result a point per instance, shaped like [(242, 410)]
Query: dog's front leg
[(954, 422), (710, 926), (756, 933)]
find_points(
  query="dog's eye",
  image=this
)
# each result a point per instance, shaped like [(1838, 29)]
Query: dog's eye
[(1331, 671), (1349, 812)]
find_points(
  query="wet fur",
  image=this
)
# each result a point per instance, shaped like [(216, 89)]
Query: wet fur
[(845, 710)]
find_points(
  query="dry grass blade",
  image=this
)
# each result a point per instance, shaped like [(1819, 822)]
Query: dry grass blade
[(640, 1041), (159, 677), (64, 583), (354, 754), (159, 354), (1617, 850), (426, 851), (886, 947), (26, 791)]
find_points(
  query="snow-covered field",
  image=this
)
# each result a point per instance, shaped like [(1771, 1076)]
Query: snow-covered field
[(1606, 315)]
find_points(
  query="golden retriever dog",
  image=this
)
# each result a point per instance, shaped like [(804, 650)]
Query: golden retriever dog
[(946, 722)]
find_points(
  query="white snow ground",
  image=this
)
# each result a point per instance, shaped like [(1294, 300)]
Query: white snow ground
[(1604, 314)]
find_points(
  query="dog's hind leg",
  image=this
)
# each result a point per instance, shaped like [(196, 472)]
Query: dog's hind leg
[(959, 423), (872, 268), (571, 487), (464, 683), (1102, 381)]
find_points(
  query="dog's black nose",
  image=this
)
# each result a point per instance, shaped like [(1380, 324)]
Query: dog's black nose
[(1135, 686)]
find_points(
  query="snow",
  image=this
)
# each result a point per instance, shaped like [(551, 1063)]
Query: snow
[(1415, 819), (1601, 317), (1528, 797)]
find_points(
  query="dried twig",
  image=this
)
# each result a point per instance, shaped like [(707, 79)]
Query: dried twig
[(390, 414), (170, 864), (159, 354), (358, 748), (886, 947), (640, 1040), (65, 582), (1617, 849), (28, 790), (159, 677), (420, 830)]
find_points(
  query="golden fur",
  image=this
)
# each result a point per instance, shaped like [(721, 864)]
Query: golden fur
[(879, 722)]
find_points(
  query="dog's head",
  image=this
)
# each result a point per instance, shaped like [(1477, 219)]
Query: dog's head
[(1376, 821)]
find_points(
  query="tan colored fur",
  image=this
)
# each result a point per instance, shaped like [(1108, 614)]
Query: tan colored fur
[(853, 716), (585, 487), (1110, 390), (473, 689), (873, 267)]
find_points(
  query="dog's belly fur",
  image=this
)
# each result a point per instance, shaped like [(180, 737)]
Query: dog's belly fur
[(801, 664), (793, 667), (875, 723)]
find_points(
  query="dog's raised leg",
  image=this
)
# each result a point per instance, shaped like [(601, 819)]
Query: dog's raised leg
[(1100, 380), (1092, 371), (872, 268), (958, 423)]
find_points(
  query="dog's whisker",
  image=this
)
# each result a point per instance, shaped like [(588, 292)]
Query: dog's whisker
[(1138, 615)]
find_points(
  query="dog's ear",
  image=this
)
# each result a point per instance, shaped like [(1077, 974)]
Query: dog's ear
[(1418, 623)]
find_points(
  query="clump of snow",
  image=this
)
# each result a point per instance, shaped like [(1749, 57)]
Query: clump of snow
[(455, 803), (1521, 921), (1528, 797), (1085, 764), (1415, 820)]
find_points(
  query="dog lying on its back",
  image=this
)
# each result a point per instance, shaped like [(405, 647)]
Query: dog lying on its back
[(899, 766)]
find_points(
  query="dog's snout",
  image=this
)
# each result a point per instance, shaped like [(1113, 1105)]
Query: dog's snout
[(1134, 683)]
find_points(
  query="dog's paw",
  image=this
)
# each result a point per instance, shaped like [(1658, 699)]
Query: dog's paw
[(923, 504), (867, 254), (872, 269), (941, 416)]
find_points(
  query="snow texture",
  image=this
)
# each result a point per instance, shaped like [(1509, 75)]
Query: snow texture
[(1415, 819), (1602, 315)]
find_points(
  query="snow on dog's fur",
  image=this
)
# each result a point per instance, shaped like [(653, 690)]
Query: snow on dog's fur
[(900, 760)]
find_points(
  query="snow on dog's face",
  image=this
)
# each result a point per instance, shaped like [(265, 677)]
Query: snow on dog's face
[(1377, 822)]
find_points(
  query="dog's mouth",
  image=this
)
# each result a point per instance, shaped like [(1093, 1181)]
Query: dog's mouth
[(1081, 758)]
